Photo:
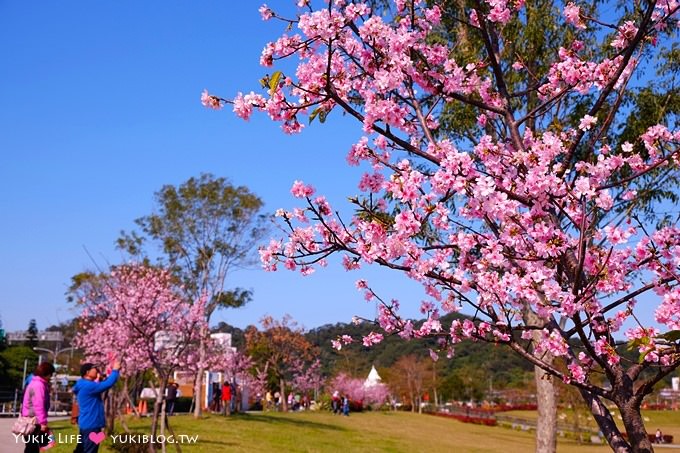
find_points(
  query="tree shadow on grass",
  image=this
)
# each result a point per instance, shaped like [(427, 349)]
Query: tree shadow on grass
[(281, 421), (144, 448), (221, 443)]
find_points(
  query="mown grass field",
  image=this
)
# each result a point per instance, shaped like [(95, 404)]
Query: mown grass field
[(667, 421), (324, 432)]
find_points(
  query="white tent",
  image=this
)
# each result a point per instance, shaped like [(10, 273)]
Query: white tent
[(373, 378)]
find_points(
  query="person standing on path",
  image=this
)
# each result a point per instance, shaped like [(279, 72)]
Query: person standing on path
[(226, 398), (172, 393), (89, 392), (345, 405), (36, 403)]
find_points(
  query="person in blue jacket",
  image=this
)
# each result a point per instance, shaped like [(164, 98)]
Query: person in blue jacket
[(89, 395)]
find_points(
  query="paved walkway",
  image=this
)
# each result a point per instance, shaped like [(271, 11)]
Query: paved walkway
[(8, 443)]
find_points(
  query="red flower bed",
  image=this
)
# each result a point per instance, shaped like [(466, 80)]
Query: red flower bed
[(488, 421), (514, 407), (657, 407), (502, 408)]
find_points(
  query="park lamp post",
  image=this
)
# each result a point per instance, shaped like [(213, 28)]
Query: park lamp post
[(54, 353)]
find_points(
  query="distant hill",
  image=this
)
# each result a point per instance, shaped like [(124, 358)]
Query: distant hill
[(502, 364), (498, 366)]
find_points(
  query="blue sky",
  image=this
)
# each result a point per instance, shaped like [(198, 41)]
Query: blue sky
[(100, 107)]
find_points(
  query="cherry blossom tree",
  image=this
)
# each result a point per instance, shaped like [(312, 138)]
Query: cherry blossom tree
[(240, 368), (138, 314), (307, 376), (205, 227), (357, 390), (532, 222)]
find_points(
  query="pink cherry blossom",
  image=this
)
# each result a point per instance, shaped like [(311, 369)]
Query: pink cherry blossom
[(210, 101), (572, 13), (134, 308), (587, 122), (532, 210), (359, 391), (300, 190), (372, 338), (266, 12)]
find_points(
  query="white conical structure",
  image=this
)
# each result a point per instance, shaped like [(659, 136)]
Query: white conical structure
[(373, 378)]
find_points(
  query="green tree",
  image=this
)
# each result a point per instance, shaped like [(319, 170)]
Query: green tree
[(204, 229), (466, 383), (276, 348), (12, 360)]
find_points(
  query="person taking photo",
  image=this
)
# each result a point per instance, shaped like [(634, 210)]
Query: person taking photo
[(88, 391)]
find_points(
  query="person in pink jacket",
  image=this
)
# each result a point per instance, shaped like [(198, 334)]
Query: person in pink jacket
[(36, 403)]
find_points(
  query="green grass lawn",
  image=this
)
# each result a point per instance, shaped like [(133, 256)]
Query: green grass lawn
[(667, 421), (324, 432)]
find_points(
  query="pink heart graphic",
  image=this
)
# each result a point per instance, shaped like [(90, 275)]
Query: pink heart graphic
[(97, 438)]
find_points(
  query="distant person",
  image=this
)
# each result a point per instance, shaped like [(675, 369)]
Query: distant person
[(335, 402), (89, 393), (216, 399), (226, 398), (268, 399), (277, 400), (172, 393), (238, 397), (36, 403), (658, 437), (345, 405)]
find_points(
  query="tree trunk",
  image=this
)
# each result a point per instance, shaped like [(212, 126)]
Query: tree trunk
[(605, 422), (635, 427), (123, 402), (162, 423), (546, 425), (110, 410), (128, 400), (284, 400), (434, 386), (158, 413), (178, 449), (198, 393)]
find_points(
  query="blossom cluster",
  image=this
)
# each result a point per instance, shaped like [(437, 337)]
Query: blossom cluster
[(358, 390), (140, 316), (500, 224)]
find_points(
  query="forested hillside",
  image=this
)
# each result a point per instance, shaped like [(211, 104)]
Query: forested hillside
[(475, 368)]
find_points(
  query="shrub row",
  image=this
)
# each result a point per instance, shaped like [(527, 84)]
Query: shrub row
[(488, 421)]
